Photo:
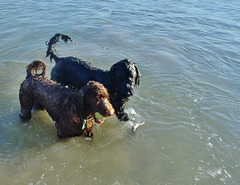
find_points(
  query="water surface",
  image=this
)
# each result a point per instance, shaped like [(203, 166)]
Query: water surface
[(186, 110)]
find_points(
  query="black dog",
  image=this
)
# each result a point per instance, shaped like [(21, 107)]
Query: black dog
[(120, 81)]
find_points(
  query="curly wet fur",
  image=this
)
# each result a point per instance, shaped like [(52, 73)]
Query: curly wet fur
[(68, 108), (120, 80)]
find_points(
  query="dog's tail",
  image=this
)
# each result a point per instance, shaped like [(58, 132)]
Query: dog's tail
[(34, 67), (51, 50)]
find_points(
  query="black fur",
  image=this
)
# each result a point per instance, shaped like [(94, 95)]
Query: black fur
[(120, 80)]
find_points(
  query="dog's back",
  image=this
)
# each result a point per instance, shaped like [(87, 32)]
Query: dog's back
[(75, 72), (37, 90)]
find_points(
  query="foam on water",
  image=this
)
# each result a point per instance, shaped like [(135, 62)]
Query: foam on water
[(136, 120)]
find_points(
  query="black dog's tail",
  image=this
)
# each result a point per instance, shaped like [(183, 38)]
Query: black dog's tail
[(33, 68), (51, 50)]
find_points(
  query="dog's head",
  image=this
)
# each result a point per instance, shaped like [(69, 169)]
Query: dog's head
[(124, 77), (96, 102)]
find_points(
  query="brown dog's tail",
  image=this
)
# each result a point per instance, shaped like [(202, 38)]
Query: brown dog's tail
[(51, 50), (34, 67)]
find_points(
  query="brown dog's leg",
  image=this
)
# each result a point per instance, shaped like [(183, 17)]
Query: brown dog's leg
[(26, 107), (59, 133)]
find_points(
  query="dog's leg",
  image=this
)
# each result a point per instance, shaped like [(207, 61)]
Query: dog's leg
[(59, 133), (89, 134), (122, 115), (25, 113), (64, 130), (26, 107), (119, 110), (63, 133)]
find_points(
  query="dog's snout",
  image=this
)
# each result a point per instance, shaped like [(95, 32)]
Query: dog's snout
[(110, 108), (107, 108)]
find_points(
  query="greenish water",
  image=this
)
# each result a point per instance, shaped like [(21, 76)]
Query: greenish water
[(186, 109)]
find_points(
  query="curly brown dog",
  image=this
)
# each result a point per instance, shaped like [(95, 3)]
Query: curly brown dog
[(73, 111)]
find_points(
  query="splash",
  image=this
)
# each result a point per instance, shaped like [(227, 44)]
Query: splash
[(136, 119)]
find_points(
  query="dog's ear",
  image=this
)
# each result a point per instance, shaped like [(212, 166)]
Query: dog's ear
[(121, 65), (89, 90), (137, 80), (112, 72), (83, 91)]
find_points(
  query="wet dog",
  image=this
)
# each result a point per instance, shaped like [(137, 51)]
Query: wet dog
[(120, 81), (73, 111)]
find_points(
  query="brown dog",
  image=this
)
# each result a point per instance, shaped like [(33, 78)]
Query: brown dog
[(73, 111)]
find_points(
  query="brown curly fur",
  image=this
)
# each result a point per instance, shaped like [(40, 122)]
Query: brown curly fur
[(68, 108)]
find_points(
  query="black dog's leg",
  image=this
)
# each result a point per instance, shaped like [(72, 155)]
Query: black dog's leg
[(119, 111), (122, 116), (118, 105)]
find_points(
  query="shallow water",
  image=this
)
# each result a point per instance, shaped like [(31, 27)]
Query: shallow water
[(186, 110)]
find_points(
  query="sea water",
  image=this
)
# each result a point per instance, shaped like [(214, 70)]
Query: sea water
[(186, 123)]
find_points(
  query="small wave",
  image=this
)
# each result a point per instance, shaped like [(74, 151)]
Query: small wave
[(136, 119)]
